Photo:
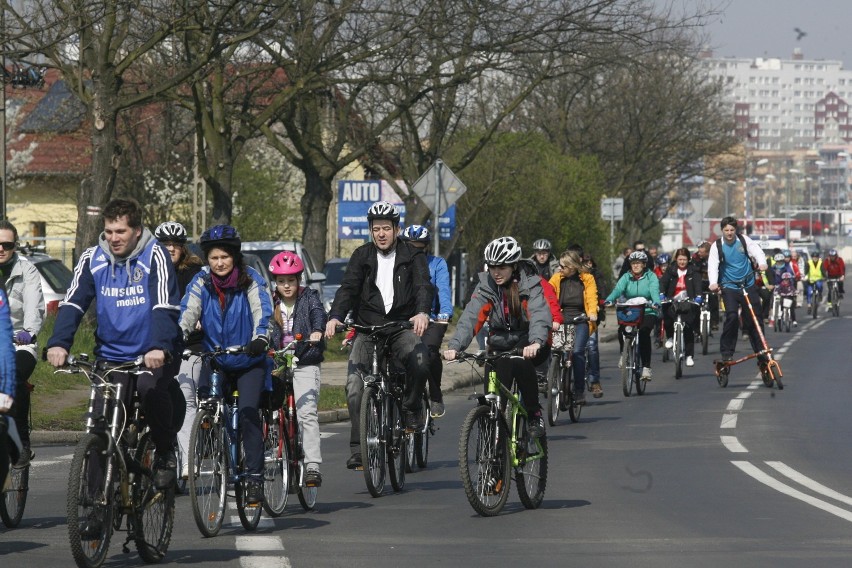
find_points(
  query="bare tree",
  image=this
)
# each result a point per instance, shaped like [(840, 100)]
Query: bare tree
[(118, 55)]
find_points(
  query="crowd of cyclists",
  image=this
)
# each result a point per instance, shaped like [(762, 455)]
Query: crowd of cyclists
[(154, 298)]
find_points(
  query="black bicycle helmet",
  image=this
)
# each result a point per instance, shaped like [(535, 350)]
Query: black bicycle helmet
[(504, 250), (220, 236), (170, 231), (382, 210)]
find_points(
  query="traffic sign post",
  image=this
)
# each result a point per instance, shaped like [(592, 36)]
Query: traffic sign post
[(612, 209), (439, 187)]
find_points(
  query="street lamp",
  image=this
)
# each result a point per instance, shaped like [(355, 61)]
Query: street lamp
[(768, 179), (789, 201), (751, 180)]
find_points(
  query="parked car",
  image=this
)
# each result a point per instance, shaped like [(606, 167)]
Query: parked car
[(334, 269), (55, 276), (265, 250)]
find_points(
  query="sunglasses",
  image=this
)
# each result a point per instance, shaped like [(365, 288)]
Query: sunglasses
[(8, 246)]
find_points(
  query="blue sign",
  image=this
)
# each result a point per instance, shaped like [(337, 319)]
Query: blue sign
[(354, 199)]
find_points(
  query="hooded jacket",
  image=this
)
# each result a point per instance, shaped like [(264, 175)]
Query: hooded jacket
[(646, 286), (137, 301), (26, 300), (8, 380), (590, 294), (308, 316), (536, 316), (668, 281)]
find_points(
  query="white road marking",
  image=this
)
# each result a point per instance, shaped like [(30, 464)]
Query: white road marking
[(744, 394), (753, 471), (811, 484), (259, 542), (264, 523), (735, 404), (728, 421), (733, 445), (328, 434), (265, 562)]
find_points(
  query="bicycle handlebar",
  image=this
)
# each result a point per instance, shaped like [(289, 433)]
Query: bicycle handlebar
[(372, 329), (517, 353)]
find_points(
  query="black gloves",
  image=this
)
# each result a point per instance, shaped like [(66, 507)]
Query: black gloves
[(257, 347)]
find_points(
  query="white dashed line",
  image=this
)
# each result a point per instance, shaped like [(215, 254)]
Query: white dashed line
[(814, 486), (733, 445), (728, 421), (744, 395), (735, 404)]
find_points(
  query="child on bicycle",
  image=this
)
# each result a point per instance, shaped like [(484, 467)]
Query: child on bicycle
[(512, 302), (682, 278), (297, 311)]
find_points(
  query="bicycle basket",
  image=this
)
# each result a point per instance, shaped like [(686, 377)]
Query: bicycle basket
[(629, 314), (682, 307), (787, 302)]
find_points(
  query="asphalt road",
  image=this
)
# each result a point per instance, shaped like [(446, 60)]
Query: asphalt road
[(689, 474)]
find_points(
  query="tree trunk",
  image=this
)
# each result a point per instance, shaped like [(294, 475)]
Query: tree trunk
[(315, 205)]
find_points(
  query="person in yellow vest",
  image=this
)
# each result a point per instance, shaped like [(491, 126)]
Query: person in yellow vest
[(814, 276)]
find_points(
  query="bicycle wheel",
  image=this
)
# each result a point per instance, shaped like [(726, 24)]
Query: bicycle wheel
[(180, 483), (637, 368), (89, 509), (815, 305), (208, 472), (573, 408), (627, 368), (307, 495), (678, 352), (787, 318), (153, 510), (373, 441), (554, 390), (14, 498), (531, 474), (276, 465), (249, 513), (421, 439), (705, 335), (484, 460), (396, 449), (835, 301)]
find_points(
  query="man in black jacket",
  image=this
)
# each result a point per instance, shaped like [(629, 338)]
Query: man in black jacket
[(385, 280)]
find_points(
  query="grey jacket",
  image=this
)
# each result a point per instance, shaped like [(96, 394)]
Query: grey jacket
[(537, 316), (26, 301)]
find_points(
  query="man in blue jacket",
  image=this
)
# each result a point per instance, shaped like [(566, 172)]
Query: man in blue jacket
[(132, 281)]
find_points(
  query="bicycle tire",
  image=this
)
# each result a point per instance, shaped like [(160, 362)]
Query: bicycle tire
[(410, 460), (565, 385), (815, 305), (835, 301), (572, 407), (554, 390), (637, 369), (627, 369), (14, 500), (787, 320), (249, 513), (776, 376), (276, 464), (484, 460), (705, 335), (208, 473), (80, 507), (421, 439), (531, 474), (180, 482), (153, 509), (722, 375), (372, 442), (396, 451), (678, 353)]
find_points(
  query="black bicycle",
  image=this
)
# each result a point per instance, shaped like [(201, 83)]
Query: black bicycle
[(560, 374), (111, 472), (14, 498)]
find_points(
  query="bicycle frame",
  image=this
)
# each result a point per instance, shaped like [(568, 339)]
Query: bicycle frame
[(495, 395)]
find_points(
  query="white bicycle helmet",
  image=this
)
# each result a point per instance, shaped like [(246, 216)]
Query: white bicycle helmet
[(383, 210), (170, 231), (504, 250), (542, 244), (779, 257), (638, 256)]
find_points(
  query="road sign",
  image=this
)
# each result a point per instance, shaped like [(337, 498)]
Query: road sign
[(426, 188), (612, 209)]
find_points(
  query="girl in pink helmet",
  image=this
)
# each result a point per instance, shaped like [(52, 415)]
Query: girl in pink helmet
[(298, 310)]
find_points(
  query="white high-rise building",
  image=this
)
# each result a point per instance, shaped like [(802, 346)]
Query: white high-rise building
[(787, 104)]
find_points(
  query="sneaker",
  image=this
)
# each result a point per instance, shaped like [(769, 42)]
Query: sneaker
[(254, 492), (184, 471), (93, 527), (727, 358), (771, 322), (690, 362), (313, 477), (580, 397), (646, 373), (536, 425), (27, 455), (413, 420), (165, 466), (596, 390), (354, 461), (669, 344), (795, 323), (436, 409)]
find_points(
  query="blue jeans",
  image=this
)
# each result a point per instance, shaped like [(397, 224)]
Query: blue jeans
[(594, 361), (809, 287), (581, 338)]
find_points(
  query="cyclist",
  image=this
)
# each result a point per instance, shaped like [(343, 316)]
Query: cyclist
[(132, 281), (577, 294), (593, 371), (638, 246), (298, 311), (232, 303), (640, 282), (699, 260), (682, 277), (513, 303), (814, 276), (790, 257), (781, 265), (546, 264), (8, 385), (732, 261), (26, 304), (834, 267), (173, 237), (440, 314), (662, 262), (385, 280)]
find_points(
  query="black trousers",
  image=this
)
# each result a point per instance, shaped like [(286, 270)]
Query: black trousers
[(523, 371)]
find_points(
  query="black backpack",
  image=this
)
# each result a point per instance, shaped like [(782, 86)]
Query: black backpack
[(754, 264)]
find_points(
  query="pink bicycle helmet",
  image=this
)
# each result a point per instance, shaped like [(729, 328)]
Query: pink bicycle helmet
[(286, 262)]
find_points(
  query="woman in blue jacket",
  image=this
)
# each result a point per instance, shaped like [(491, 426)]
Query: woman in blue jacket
[(233, 305)]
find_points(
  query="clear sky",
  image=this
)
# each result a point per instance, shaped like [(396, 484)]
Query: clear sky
[(766, 28)]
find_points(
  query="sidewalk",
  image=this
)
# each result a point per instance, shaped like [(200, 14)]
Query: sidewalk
[(456, 376)]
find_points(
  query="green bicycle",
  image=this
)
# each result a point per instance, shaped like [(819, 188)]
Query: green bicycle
[(494, 441)]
